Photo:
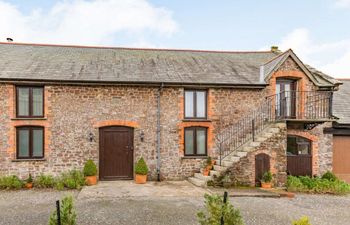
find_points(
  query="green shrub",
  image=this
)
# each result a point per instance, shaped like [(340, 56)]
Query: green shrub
[(215, 208), (44, 181), (302, 221), (10, 182), (317, 185), (90, 168), (141, 167), (267, 177), (59, 185), (29, 179), (329, 176), (67, 212), (73, 179)]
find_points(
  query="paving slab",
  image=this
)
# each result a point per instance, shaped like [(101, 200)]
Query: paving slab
[(123, 189)]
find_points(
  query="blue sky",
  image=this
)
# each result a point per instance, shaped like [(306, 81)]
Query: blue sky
[(317, 30)]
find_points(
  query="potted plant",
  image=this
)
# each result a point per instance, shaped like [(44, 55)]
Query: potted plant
[(266, 181), (29, 182), (90, 172), (141, 171)]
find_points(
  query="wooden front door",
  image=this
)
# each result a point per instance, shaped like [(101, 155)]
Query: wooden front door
[(299, 157), (116, 153), (262, 165), (285, 98)]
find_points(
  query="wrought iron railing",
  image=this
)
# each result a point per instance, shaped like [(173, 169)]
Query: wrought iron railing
[(309, 105)]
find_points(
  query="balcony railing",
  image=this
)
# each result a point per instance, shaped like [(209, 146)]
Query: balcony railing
[(288, 105)]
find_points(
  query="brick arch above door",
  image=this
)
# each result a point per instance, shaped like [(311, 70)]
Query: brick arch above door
[(108, 123)]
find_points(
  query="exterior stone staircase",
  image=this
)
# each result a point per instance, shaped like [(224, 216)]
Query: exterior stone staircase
[(200, 180)]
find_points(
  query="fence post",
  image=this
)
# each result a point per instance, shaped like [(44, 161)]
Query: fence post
[(220, 149), (58, 212), (253, 129), (222, 216)]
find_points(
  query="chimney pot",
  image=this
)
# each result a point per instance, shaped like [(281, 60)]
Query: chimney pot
[(274, 48)]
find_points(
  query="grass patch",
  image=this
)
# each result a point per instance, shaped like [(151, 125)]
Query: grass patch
[(327, 184), (11, 183)]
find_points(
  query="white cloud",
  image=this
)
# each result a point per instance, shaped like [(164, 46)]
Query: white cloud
[(342, 3), (332, 58), (83, 22)]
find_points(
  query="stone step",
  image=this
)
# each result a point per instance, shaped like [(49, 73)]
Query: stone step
[(267, 134), (261, 139), (231, 158), (279, 125), (220, 168), (248, 148), (255, 144), (202, 177), (214, 173), (197, 182), (227, 163), (241, 154), (274, 130)]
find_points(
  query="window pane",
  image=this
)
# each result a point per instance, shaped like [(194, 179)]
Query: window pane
[(189, 104), (38, 137), (37, 101), (201, 142), (292, 148), (201, 104), (23, 101), (189, 142), (23, 143)]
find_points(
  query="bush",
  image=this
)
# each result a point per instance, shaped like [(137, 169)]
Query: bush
[(45, 181), (10, 182), (329, 176), (215, 208), (141, 167), (317, 185), (90, 168), (73, 179), (67, 212), (302, 221), (267, 177)]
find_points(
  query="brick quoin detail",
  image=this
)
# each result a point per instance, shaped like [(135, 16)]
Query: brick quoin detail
[(108, 123)]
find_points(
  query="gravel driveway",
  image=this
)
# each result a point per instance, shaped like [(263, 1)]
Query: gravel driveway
[(170, 207)]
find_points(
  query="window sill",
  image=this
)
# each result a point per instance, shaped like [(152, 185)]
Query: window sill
[(28, 160), (28, 118), (196, 120), (195, 157)]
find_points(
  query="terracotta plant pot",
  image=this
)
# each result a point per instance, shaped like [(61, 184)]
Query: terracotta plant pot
[(29, 185), (266, 185), (91, 180), (206, 172), (140, 179)]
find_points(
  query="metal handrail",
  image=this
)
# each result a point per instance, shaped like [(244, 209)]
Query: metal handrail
[(278, 107)]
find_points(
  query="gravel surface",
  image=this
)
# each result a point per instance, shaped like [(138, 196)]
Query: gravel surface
[(33, 207)]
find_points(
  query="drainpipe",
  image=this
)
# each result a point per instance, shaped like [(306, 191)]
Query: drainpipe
[(158, 131)]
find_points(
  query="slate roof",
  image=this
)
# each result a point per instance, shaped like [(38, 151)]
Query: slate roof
[(103, 64), (341, 102)]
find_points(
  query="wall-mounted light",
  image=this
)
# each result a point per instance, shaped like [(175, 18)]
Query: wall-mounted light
[(142, 136), (91, 136)]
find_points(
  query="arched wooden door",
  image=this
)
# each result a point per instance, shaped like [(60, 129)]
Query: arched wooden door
[(262, 165), (116, 153)]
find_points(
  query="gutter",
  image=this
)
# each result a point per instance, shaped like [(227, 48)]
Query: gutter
[(158, 130), (131, 83)]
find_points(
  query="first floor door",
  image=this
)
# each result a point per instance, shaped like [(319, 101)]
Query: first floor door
[(341, 157), (116, 153)]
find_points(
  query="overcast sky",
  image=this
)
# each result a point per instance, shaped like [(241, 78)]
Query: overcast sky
[(317, 30)]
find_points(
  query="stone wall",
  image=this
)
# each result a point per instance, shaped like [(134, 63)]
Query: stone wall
[(243, 172), (73, 112)]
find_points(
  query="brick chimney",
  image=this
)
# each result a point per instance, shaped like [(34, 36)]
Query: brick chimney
[(274, 48)]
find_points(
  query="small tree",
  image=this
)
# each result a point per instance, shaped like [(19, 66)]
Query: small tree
[(141, 167), (90, 168), (215, 209), (67, 212)]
